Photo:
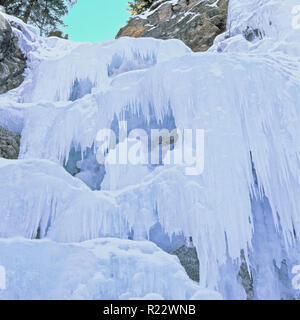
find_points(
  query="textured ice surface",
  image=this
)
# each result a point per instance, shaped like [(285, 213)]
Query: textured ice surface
[(243, 210), (98, 269)]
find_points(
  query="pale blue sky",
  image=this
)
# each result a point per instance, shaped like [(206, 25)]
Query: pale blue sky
[(96, 20)]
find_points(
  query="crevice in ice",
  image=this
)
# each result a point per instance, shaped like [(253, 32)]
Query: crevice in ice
[(70, 165), (266, 271), (284, 278), (84, 166), (80, 88), (250, 34), (178, 245), (137, 120), (163, 240), (38, 234), (121, 64), (246, 277)]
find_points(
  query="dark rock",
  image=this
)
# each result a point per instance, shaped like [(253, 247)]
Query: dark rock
[(12, 60), (251, 34), (9, 144), (246, 277), (195, 22), (188, 258)]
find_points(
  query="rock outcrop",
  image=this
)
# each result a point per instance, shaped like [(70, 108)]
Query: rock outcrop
[(9, 144), (195, 22), (188, 257), (12, 60)]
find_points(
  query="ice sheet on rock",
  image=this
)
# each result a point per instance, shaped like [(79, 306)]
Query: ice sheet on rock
[(243, 115), (56, 65), (98, 269), (261, 27), (48, 202)]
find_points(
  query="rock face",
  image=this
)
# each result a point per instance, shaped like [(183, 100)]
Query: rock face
[(195, 22), (9, 144), (188, 258), (12, 60)]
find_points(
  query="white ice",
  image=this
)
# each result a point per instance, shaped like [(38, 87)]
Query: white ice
[(244, 94), (98, 269)]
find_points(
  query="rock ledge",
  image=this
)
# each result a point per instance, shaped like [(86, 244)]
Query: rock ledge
[(195, 22)]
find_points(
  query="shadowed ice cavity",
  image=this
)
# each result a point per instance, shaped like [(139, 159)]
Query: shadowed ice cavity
[(270, 263), (120, 64), (81, 87), (136, 120), (85, 167), (268, 275)]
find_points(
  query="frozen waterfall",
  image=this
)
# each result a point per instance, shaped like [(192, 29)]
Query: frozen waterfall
[(242, 211)]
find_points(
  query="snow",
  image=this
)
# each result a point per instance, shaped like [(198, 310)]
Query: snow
[(148, 12), (35, 194), (244, 94), (98, 269), (273, 18)]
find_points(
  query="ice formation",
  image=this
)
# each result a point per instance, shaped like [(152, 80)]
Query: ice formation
[(97, 269), (242, 212)]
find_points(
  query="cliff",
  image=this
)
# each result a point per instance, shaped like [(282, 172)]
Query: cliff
[(12, 60), (195, 22)]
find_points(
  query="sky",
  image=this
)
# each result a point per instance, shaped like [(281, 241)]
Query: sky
[(96, 20)]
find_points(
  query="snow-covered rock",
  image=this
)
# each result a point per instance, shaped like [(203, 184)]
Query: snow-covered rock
[(195, 22), (12, 60), (9, 144)]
